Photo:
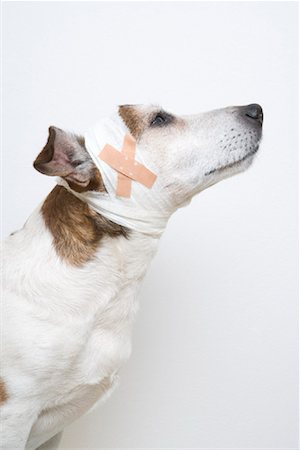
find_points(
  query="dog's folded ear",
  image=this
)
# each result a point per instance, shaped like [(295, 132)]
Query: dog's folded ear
[(65, 155)]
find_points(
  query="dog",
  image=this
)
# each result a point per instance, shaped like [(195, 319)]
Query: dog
[(72, 272)]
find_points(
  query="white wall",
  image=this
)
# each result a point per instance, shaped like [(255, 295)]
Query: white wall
[(215, 344)]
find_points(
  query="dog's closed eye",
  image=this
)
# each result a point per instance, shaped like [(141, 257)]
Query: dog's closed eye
[(161, 118)]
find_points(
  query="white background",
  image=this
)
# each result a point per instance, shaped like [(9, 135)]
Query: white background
[(214, 361)]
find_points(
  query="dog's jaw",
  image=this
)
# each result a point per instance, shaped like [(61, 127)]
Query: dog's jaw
[(238, 166)]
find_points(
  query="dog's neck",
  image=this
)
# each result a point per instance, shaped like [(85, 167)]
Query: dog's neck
[(77, 262), (77, 229)]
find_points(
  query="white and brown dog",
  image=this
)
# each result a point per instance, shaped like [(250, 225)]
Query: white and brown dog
[(71, 273)]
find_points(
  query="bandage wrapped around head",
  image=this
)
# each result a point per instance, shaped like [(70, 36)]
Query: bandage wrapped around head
[(134, 197)]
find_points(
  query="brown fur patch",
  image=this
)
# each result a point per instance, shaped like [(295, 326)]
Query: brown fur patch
[(133, 120), (75, 227), (3, 392)]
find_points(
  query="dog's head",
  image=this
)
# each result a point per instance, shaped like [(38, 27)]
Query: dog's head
[(189, 153), (193, 152)]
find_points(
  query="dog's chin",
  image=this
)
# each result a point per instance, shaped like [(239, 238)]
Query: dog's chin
[(221, 173), (238, 166)]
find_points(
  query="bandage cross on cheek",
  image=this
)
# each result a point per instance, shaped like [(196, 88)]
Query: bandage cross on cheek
[(127, 167)]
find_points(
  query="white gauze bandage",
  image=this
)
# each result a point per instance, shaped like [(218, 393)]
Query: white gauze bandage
[(146, 210)]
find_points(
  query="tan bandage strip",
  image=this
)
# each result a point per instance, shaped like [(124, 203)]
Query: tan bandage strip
[(127, 167), (124, 183)]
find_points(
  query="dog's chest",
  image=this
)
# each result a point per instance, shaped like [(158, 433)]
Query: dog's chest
[(78, 320), (87, 355), (106, 298), (105, 335), (93, 347), (106, 342)]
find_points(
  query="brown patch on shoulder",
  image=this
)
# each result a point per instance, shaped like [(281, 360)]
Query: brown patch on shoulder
[(3, 392), (133, 119), (76, 229)]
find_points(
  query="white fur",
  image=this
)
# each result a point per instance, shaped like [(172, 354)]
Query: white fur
[(66, 322), (67, 330)]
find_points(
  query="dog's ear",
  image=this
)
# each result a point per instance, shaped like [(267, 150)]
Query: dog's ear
[(65, 155)]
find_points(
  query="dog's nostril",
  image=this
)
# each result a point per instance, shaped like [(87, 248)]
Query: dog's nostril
[(254, 111)]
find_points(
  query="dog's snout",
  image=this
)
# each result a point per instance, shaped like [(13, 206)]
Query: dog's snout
[(254, 112)]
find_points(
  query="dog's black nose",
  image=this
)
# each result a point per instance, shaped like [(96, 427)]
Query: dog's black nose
[(255, 112)]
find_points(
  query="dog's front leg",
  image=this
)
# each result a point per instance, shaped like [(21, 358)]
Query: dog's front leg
[(16, 423), (52, 420), (51, 444)]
